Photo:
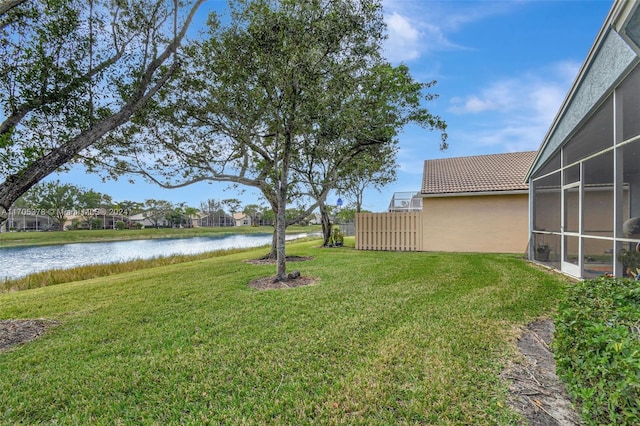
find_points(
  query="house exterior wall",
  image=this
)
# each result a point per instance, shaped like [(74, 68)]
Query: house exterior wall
[(486, 224)]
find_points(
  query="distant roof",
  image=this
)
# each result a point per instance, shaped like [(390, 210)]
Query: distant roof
[(479, 173)]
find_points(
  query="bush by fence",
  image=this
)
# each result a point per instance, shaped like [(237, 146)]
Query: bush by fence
[(597, 349)]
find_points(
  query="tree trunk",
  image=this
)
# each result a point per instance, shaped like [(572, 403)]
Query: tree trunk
[(273, 252), (281, 213), (326, 224), (7, 5), (280, 230)]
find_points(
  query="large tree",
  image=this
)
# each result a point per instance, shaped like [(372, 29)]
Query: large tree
[(71, 71), (283, 75), (58, 200)]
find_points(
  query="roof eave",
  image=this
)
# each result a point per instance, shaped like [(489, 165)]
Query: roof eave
[(474, 193)]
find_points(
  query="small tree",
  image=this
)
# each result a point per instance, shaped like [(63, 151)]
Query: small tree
[(346, 214), (190, 213), (157, 211), (387, 100), (232, 205), (268, 217), (89, 203), (371, 170)]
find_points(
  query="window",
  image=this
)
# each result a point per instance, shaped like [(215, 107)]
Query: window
[(598, 257), (598, 196), (631, 188), (629, 91), (594, 136), (546, 192), (552, 165)]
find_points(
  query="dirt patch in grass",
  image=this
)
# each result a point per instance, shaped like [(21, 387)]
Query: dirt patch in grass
[(269, 283), (534, 389), (269, 261), (13, 332)]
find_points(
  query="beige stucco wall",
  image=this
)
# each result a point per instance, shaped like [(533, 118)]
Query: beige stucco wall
[(484, 223)]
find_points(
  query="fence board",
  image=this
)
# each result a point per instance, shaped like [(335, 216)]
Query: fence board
[(394, 231)]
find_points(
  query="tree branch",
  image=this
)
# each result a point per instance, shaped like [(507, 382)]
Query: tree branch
[(18, 183)]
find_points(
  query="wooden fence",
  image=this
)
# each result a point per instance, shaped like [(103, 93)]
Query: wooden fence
[(389, 231)]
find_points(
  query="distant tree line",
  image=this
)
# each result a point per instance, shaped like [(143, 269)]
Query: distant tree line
[(62, 201)]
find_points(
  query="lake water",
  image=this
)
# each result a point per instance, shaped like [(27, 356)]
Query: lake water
[(16, 262)]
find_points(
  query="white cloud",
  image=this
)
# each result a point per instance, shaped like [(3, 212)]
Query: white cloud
[(502, 95), (535, 94), (403, 41), (472, 104), (402, 28), (419, 28), (410, 38), (518, 110)]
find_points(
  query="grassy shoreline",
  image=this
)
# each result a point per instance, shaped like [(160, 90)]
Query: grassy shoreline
[(17, 239), (86, 272), (383, 338)]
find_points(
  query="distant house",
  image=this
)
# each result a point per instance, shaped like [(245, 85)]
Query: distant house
[(241, 219), (315, 219), (466, 204), (25, 219), (476, 204), (195, 220), (213, 219), (143, 220)]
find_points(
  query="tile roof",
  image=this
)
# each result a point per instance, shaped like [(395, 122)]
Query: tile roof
[(480, 173)]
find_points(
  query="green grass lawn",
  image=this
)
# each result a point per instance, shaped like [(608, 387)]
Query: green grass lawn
[(13, 239), (383, 338)]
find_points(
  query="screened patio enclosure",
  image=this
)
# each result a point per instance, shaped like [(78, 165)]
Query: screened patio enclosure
[(585, 182)]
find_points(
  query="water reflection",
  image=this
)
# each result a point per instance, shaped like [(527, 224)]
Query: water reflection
[(16, 262)]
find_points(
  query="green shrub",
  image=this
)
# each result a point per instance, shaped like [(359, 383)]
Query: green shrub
[(120, 225), (597, 349), (336, 238)]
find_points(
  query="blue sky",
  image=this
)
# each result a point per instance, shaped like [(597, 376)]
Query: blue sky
[(503, 68)]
